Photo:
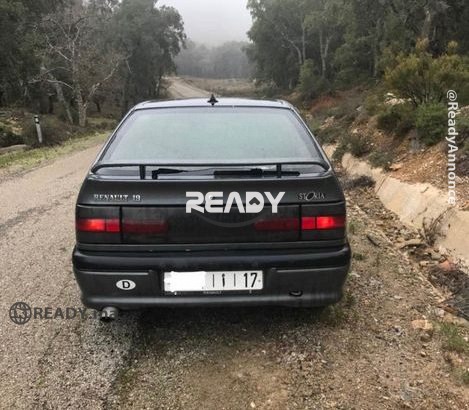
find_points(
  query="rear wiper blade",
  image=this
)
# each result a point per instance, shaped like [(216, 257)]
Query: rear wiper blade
[(255, 172), (172, 171)]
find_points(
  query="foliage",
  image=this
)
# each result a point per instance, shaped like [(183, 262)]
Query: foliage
[(357, 41), (358, 145), (381, 159), (431, 122), (398, 119), (328, 135), (311, 83), (340, 151), (54, 132), (8, 137), (454, 341), (374, 103), (82, 52), (150, 38), (421, 78), (462, 125)]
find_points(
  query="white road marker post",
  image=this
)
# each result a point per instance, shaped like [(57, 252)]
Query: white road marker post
[(38, 129)]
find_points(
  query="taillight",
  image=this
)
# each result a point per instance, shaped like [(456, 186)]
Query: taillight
[(98, 225), (308, 223), (145, 227), (322, 222), (277, 224), (330, 222)]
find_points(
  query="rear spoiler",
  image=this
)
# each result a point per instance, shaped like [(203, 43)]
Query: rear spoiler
[(143, 166)]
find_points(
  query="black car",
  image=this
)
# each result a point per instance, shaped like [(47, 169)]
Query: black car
[(209, 203)]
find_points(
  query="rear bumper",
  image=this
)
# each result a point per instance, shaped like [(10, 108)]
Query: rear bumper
[(291, 278)]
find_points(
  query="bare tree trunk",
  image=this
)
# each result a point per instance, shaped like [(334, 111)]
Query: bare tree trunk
[(427, 24), (324, 52), (376, 50), (81, 107), (303, 41), (61, 98)]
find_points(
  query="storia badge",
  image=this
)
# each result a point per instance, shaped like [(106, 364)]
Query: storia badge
[(311, 196)]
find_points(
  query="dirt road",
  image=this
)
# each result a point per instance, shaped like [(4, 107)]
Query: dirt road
[(363, 353), (178, 88)]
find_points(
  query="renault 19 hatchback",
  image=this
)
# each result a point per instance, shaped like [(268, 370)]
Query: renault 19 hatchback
[(196, 202)]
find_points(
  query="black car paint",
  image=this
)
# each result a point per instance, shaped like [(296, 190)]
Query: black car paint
[(306, 271)]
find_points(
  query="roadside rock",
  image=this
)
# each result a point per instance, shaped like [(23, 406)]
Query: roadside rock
[(412, 242), (395, 167), (423, 325), (373, 239)]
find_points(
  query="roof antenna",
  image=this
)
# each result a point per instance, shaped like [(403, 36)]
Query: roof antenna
[(212, 100)]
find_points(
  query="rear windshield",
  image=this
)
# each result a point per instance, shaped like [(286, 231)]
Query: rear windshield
[(212, 134)]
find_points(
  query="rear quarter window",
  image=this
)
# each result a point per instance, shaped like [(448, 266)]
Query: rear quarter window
[(212, 134)]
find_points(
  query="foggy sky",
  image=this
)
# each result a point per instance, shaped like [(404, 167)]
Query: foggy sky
[(213, 21)]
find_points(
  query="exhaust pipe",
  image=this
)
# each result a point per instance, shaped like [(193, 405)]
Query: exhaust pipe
[(109, 314)]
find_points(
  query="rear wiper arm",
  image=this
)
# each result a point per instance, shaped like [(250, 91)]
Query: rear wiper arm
[(165, 171), (255, 172)]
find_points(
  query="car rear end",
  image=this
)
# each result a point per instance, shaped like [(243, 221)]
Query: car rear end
[(140, 245)]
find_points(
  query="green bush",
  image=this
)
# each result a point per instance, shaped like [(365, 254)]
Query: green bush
[(310, 83), (329, 135), (462, 126), (431, 122), (381, 159), (373, 104), (340, 151), (8, 137), (397, 119), (358, 145), (62, 115), (387, 120), (422, 78), (54, 132)]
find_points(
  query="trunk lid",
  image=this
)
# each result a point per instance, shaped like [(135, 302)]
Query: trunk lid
[(154, 211)]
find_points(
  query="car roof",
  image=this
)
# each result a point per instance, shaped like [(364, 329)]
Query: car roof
[(222, 102)]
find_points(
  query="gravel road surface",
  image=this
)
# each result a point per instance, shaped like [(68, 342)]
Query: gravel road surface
[(180, 89)]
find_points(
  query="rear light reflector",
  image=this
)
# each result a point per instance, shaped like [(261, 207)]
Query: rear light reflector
[(278, 224), (145, 227), (330, 222), (98, 225)]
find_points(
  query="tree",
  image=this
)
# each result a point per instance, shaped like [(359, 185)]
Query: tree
[(324, 21), (77, 58), (20, 45), (150, 37), (279, 33)]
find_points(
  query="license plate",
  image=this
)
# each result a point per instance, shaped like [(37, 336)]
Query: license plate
[(213, 281)]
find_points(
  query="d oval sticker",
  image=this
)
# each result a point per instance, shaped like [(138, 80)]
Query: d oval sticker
[(126, 284)]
